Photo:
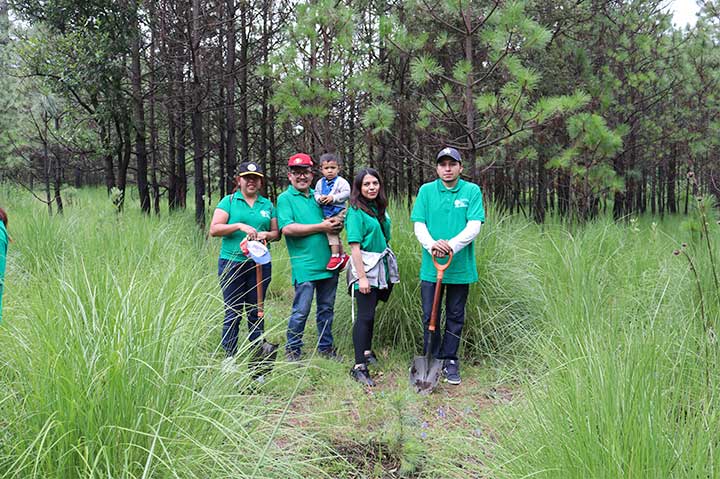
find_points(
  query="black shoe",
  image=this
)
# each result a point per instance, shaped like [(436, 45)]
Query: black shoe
[(362, 375), (371, 359), (263, 359), (330, 354), (293, 355), (451, 372)]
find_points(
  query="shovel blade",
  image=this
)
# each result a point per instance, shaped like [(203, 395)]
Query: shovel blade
[(425, 374)]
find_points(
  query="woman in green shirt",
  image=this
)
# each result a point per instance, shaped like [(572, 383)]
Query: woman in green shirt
[(373, 264), (3, 253), (243, 214)]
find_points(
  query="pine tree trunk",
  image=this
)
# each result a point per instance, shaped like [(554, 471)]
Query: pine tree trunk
[(154, 151), (230, 114), (540, 184), (671, 181), (122, 127), (197, 118), (107, 157), (181, 192), (243, 103), (139, 118), (46, 163)]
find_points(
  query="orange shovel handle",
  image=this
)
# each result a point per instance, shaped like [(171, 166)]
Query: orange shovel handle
[(438, 287)]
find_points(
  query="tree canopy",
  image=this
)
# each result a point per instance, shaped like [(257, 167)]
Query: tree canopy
[(556, 106)]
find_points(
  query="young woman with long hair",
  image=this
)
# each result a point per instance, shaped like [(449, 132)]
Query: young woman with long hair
[(373, 267)]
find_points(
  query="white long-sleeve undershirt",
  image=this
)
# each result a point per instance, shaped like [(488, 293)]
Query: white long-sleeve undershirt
[(458, 242)]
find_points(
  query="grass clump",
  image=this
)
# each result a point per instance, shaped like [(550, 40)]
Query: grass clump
[(624, 391), (109, 361)]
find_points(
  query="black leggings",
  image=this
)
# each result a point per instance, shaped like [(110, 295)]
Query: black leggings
[(365, 321)]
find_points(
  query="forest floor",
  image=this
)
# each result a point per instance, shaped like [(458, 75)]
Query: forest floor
[(390, 431)]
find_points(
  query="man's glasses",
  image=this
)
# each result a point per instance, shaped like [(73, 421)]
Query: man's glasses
[(299, 173)]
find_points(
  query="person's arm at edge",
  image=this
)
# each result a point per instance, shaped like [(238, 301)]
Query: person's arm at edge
[(326, 226)]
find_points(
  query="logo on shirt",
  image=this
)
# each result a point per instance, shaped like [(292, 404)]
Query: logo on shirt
[(462, 203), (265, 214)]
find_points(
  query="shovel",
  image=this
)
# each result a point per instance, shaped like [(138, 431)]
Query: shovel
[(425, 370), (266, 353)]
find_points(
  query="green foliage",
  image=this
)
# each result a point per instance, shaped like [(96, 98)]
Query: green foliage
[(623, 389), (423, 68), (379, 118)]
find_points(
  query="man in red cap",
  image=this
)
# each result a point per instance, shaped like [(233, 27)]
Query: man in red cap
[(302, 223)]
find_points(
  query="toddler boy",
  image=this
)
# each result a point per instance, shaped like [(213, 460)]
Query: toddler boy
[(331, 193)]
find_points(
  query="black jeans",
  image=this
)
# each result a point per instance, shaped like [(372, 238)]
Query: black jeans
[(365, 321), (455, 299)]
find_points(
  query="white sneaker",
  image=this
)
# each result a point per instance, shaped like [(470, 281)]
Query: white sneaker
[(228, 365)]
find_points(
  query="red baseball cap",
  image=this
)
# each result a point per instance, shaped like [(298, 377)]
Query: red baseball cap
[(300, 159)]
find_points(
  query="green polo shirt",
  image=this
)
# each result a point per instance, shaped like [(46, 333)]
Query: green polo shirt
[(446, 212), (3, 253), (365, 229), (258, 216), (309, 254)]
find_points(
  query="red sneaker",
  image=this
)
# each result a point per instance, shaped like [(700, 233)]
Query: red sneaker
[(334, 263), (345, 261)]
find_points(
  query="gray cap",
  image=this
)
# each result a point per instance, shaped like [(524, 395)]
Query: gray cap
[(451, 153)]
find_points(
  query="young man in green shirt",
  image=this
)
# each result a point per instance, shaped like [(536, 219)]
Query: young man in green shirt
[(302, 223), (447, 216)]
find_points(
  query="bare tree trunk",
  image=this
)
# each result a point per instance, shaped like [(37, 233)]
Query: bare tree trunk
[(124, 132), (107, 157), (671, 181), (243, 103), (541, 184), (139, 116), (46, 162), (265, 113), (172, 167), (230, 114), (197, 117), (57, 173), (154, 151), (181, 137), (223, 172)]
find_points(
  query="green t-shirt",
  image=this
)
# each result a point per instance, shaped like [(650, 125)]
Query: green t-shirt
[(446, 212), (309, 254), (365, 229), (3, 254), (258, 216)]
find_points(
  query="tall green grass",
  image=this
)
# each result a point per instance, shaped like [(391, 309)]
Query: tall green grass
[(109, 362), (623, 393)]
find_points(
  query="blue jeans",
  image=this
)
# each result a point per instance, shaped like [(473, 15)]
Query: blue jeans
[(455, 299), (325, 296), (238, 282)]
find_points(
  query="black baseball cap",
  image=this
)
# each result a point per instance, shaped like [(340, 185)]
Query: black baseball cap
[(249, 168), (449, 152)]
